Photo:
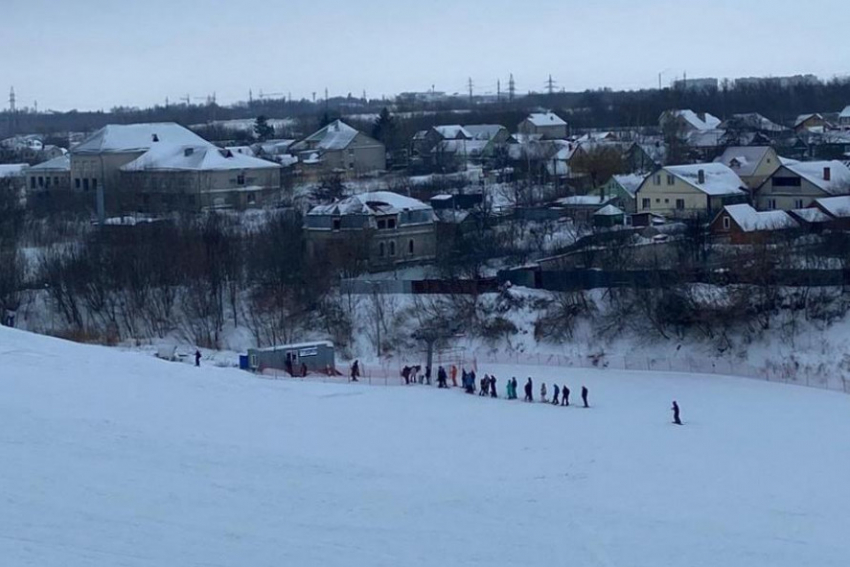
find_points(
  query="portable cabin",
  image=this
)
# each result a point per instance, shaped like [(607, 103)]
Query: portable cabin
[(317, 356)]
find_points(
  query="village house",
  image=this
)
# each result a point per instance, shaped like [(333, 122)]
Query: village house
[(844, 118), (753, 164), (339, 148), (690, 190), (621, 190), (54, 174), (547, 125), (687, 121), (810, 123), (837, 209), (380, 229), (797, 185), (742, 224), (195, 177)]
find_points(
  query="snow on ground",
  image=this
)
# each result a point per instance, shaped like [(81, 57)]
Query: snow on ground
[(115, 458)]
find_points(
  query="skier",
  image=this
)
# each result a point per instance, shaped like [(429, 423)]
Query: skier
[(584, 396), (528, 386), (565, 396), (197, 358), (513, 388), (493, 393), (555, 395), (454, 376), (543, 393), (675, 409), (355, 370)]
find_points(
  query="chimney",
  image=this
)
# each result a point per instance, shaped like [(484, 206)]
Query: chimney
[(188, 151), (701, 176), (827, 174), (154, 138)]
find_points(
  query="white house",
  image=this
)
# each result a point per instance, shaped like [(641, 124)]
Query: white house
[(690, 190), (546, 124)]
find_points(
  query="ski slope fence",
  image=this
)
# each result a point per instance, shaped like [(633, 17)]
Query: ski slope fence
[(387, 372)]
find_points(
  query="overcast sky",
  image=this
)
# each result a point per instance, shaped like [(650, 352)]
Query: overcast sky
[(92, 54)]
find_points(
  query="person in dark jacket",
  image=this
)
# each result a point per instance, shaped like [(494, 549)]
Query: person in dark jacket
[(529, 396), (493, 393), (303, 370), (405, 373), (355, 370), (442, 378), (197, 358), (428, 375), (556, 392), (565, 396), (484, 389), (675, 409), (514, 385), (584, 396)]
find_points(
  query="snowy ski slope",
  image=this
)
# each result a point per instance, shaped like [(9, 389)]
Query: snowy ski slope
[(110, 458)]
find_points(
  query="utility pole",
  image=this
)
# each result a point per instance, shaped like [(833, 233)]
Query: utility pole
[(314, 97), (511, 88), (470, 90), (498, 90), (550, 86)]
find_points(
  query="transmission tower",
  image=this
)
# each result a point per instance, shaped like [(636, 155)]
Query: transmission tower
[(12, 100), (511, 88), (550, 86), (470, 85)]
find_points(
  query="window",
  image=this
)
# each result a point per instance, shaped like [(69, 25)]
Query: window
[(658, 200), (56, 181), (680, 204), (94, 184), (254, 361), (381, 251), (337, 224), (392, 247), (32, 182), (47, 181), (667, 201), (646, 203), (390, 223), (240, 179), (786, 182), (77, 182), (41, 181), (410, 247), (671, 179), (726, 223), (798, 203), (382, 224), (771, 203), (658, 179), (86, 184)]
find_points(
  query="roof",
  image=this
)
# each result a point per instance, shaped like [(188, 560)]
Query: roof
[(484, 131), (748, 158), (836, 206), (702, 121), (121, 138), (813, 215), (608, 211), (813, 171), (462, 147), (752, 120), (629, 182), (545, 119), (583, 201), (751, 220), (845, 113), (13, 169), (706, 138), (803, 117), (719, 179), (452, 131), (293, 346), (166, 157), (377, 202), (61, 163), (335, 136)]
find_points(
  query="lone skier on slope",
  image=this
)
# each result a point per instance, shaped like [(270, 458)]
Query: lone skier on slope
[(675, 409)]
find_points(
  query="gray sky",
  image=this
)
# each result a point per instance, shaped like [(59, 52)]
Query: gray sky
[(92, 54)]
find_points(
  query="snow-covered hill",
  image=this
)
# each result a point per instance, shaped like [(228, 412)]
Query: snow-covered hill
[(110, 458)]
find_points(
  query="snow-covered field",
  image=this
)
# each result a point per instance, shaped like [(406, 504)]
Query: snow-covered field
[(109, 458)]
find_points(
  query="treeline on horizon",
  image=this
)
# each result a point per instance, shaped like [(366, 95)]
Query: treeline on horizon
[(592, 109)]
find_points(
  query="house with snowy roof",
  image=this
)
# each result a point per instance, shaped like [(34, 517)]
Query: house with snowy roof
[(51, 175), (687, 121), (695, 190), (547, 125), (198, 176), (798, 185), (836, 208), (622, 191), (97, 160), (340, 148), (813, 122), (753, 164), (844, 117), (646, 156), (378, 230), (742, 224)]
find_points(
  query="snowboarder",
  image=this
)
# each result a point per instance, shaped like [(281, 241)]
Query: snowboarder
[(528, 395), (584, 396), (555, 394), (565, 396), (675, 409), (513, 388), (355, 370), (493, 393), (197, 358), (543, 393), (454, 376)]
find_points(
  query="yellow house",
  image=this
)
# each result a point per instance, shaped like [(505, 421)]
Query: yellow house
[(797, 185), (690, 190), (753, 164)]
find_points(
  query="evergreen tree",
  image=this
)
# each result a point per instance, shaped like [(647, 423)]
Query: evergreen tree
[(384, 128), (262, 129)]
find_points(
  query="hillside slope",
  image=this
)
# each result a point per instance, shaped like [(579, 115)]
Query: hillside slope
[(114, 458)]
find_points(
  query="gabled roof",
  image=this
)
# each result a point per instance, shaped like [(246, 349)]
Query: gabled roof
[(838, 207), (813, 172), (61, 163), (608, 211), (812, 215), (545, 119), (744, 160), (803, 117), (121, 138), (630, 182), (702, 121), (452, 132), (484, 131), (195, 158), (845, 113), (751, 220), (752, 121), (335, 136), (719, 179), (375, 203)]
